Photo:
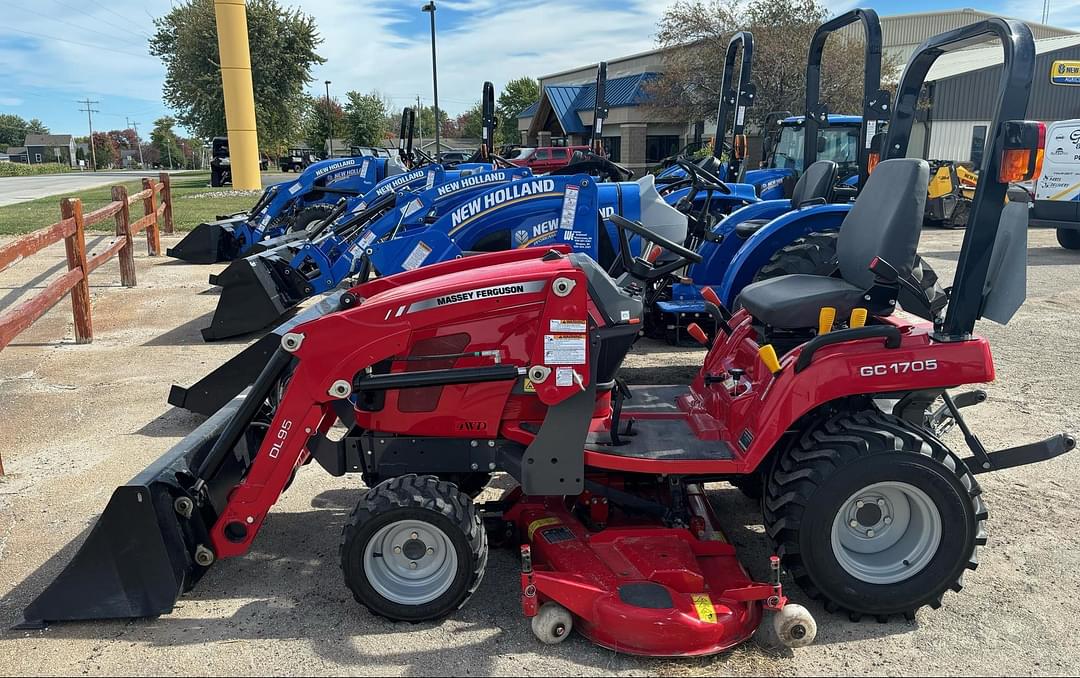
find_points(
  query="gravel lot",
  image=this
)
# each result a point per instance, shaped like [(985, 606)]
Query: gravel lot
[(80, 420)]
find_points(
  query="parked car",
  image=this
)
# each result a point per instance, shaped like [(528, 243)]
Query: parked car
[(1056, 201), (296, 159), (545, 158), (455, 156)]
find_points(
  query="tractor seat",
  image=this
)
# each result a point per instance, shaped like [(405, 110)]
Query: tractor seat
[(815, 184), (885, 221)]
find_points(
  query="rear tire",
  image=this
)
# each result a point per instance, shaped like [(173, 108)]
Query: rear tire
[(874, 515), (310, 215), (1068, 238), (414, 549)]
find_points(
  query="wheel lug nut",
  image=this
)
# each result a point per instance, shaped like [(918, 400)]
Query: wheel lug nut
[(860, 504), (869, 533), (888, 520), (430, 551), (412, 565), (881, 503), (414, 535), (397, 549), (854, 523)]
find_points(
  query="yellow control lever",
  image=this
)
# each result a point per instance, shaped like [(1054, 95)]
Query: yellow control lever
[(768, 356), (826, 317), (858, 318)]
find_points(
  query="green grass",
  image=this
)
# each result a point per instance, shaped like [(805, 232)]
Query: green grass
[(188, 212)]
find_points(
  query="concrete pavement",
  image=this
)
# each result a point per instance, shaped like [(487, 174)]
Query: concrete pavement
[(21, 189)]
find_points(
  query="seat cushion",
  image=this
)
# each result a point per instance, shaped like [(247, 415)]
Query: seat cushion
[(749, 227), (794, 301)]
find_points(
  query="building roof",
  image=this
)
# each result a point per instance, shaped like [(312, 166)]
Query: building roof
[(16, 150), (47, 140), (568, 100), (968, 60)]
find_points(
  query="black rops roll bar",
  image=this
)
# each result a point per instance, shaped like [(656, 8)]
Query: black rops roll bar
[(405, 137), (600, 110), (875, 100), (1014, 91), (738, 99), (487, 146)]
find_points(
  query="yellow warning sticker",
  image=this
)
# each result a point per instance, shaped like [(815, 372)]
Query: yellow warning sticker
[(704, 607), (541, 523), (529, 386)]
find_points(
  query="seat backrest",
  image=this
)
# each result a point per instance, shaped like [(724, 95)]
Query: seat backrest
[(816, 182), (885, 221)]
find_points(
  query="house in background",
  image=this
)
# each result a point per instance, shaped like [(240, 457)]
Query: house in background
[(58, 148), (17, 154)]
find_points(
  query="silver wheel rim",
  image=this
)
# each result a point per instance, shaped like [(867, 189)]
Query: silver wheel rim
[(410, 562), (886, 533)]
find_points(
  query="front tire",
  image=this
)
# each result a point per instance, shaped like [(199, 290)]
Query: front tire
[(310, 215), (875, 516), (414, 549)]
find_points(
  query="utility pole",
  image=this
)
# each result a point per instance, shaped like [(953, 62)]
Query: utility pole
[(139, 142), (90, 119), (420, 122), (1046, 11)]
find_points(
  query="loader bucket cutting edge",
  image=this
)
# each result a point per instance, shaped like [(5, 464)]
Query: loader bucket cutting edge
[(208, 243), (137, 559), (250, 300)]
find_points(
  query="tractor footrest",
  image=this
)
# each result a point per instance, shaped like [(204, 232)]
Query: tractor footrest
[(1054, 446)]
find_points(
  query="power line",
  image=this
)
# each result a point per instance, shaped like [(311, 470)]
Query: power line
[(111, 36), (53, 38), (90, 118)]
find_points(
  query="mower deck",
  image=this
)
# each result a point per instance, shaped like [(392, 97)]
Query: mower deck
[(636, 586)]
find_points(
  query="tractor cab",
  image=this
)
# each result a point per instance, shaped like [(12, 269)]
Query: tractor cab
[(784, 157)]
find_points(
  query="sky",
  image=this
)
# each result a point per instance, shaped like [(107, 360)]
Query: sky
[(54, 53)]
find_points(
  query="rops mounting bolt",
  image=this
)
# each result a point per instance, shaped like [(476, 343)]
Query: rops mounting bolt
[(538, 374), (562, 286)]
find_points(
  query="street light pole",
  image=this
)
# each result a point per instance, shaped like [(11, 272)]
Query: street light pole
[(430, 8), (330, 121)]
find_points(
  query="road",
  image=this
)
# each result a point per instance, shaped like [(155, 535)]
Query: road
[(21, 189)]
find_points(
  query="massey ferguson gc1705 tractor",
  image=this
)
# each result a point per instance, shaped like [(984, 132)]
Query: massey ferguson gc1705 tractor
[(816, 393)]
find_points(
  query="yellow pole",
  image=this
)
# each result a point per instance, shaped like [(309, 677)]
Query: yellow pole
[(239, 94)]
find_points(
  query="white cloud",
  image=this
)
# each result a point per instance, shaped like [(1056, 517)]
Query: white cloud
[(10, 101)]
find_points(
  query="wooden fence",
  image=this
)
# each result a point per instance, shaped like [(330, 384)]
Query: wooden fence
[(156, 199)]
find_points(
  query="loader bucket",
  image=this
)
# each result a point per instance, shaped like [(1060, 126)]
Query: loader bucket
[(250, 300), (210, 242), (138, 557)]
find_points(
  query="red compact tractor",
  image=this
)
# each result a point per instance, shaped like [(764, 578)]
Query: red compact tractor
[(816, 394)]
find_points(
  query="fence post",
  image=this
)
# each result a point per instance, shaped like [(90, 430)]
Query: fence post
[(166, 197), (75, 244), (153, 235), (123, 229)]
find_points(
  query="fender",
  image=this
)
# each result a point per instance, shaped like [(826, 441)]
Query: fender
[(770, 181), (782, 231), (716, 257)]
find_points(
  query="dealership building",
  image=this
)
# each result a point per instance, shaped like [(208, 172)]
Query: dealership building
[(962, 86)]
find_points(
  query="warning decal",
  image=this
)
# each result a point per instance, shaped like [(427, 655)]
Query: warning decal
[(567, 325), (416, 257), (704, 607), (564, 349), (541, 523), (569, 206)]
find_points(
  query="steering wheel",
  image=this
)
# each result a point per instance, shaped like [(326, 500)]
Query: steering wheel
[(639, 267), (704, 179)]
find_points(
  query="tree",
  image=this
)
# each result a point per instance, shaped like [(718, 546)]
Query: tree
[(106, 152), (696, 33), (516, 97), (283, 43), (468, 125), (365, 119), (14, 129), (164, 139), (315, 123)]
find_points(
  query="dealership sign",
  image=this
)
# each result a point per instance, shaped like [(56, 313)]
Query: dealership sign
[(1065, 73)]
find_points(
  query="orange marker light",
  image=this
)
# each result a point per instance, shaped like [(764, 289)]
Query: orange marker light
[(695, 331)]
